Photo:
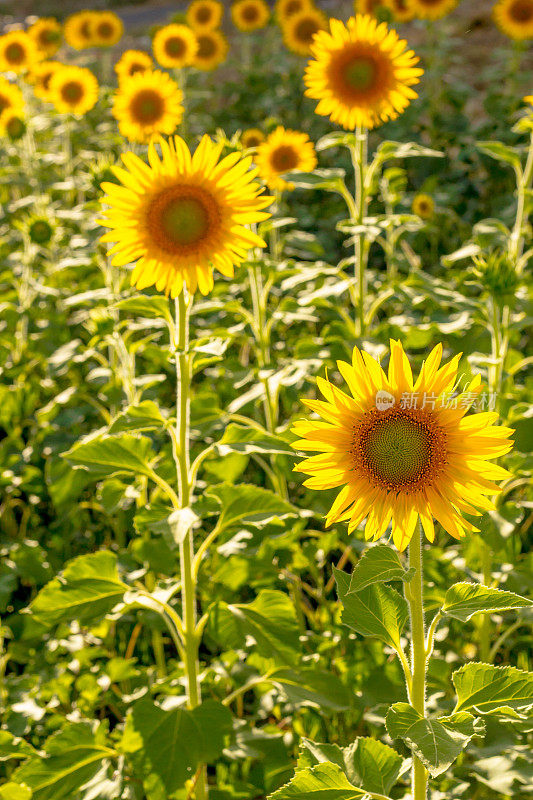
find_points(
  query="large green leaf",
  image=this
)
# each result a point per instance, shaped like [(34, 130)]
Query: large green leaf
[(88, 588), (155, 306), (436, 742), (73, 757), (14, 747), (169, 742), (463, 600), (367, 763), (316, 687), (378, 565), (324, 782), (270, 620), (374, 611), (144, 416), (103, 455), (248, 505), (486, 689), (239, 439)]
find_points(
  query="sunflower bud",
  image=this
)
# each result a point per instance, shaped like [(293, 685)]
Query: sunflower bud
[(498, 275)]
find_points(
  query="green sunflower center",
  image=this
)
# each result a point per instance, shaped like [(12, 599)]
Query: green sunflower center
[(48, 36), (181, 218), (397, 450), (147, 107), (40, 231), (72, 92), (175, 46), (522, 10), (14, 53), (284, 158), (360, 73), (15, 128), (185, 220)]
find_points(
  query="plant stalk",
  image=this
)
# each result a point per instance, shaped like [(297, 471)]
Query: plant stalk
[(415, 597), (359, 161)]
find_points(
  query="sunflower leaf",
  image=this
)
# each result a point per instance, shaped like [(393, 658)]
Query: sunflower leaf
[(378, 564), (485, 689), (103, 455), (464, 600), (326, 781)]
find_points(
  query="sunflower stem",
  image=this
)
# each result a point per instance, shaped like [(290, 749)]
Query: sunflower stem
[(359, 161), (186, 548), (415, 598)]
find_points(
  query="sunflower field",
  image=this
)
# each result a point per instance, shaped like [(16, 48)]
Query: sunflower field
[(266, 426)]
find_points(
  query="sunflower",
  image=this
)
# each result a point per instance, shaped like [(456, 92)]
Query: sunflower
[(205, 15), (361, 73), (183, 215), (402, 10), (12, 124), (433, 9), (175, 46), (40, 230), (286, 8), (299, 30), (47, 35), (10, 96), (106, 29), (284, 151), (78, 29), (73, 90), (252, 138), (515, 18), (250, 15), (131, 62), (41, 76), (402, 450), (148, 103), (212, 49), (18, 52), (423, 206), (528, 99)]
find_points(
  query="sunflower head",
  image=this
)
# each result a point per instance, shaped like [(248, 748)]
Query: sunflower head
[(252, 138), (106, 29), (205, 15), (10, 96), (41, 75), (403, 450), (78, 29), (515, 18), (284, 151), (212, 50), (12, 124), (498, 275), (250, 15), (18, 52), (40, 230), (423, 206), (402, 10), (433, 9), (369, 6), (175, 46), (132, 62), (181, 216), (148, 103), (47, 35), (299, 30), (73, 90), (361, 73), (286, 8)]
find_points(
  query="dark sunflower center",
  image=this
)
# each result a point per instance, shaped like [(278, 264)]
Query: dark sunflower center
[(147, 106), (360, 73), (15, 53), (203, 15), (48, 36), (85, 30), (253, 141), (181, 217), (40, 231), (250, 13), (206, 47), (185, 220), (72, 92), (136, 67), (305, 30), (15, 128), (293, 7), (45, 79), (430, 2), (175, 46), (4, 103), (105, 30), (284, 158), (522, 10)]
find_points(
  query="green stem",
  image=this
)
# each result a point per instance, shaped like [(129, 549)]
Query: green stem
[(359, 161), (525, 180), (415, 597), (186, 549)]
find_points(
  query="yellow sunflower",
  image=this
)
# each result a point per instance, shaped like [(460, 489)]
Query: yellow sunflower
[(287, 8), (41, 76), (423, 206), (73, 90), (106, 29), (402, 450), (402, 10), (252, 138), (131, 62), (361, 73), (148, 103), (10, 96), (528, 99), (250, 15), (212, 49), (175, 46), (78, 29), (18, 52), (284, 151), (515, 18), (299, 30), (181, 216), (12, 124), (47, 34), (205, 15), (433, 9)]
